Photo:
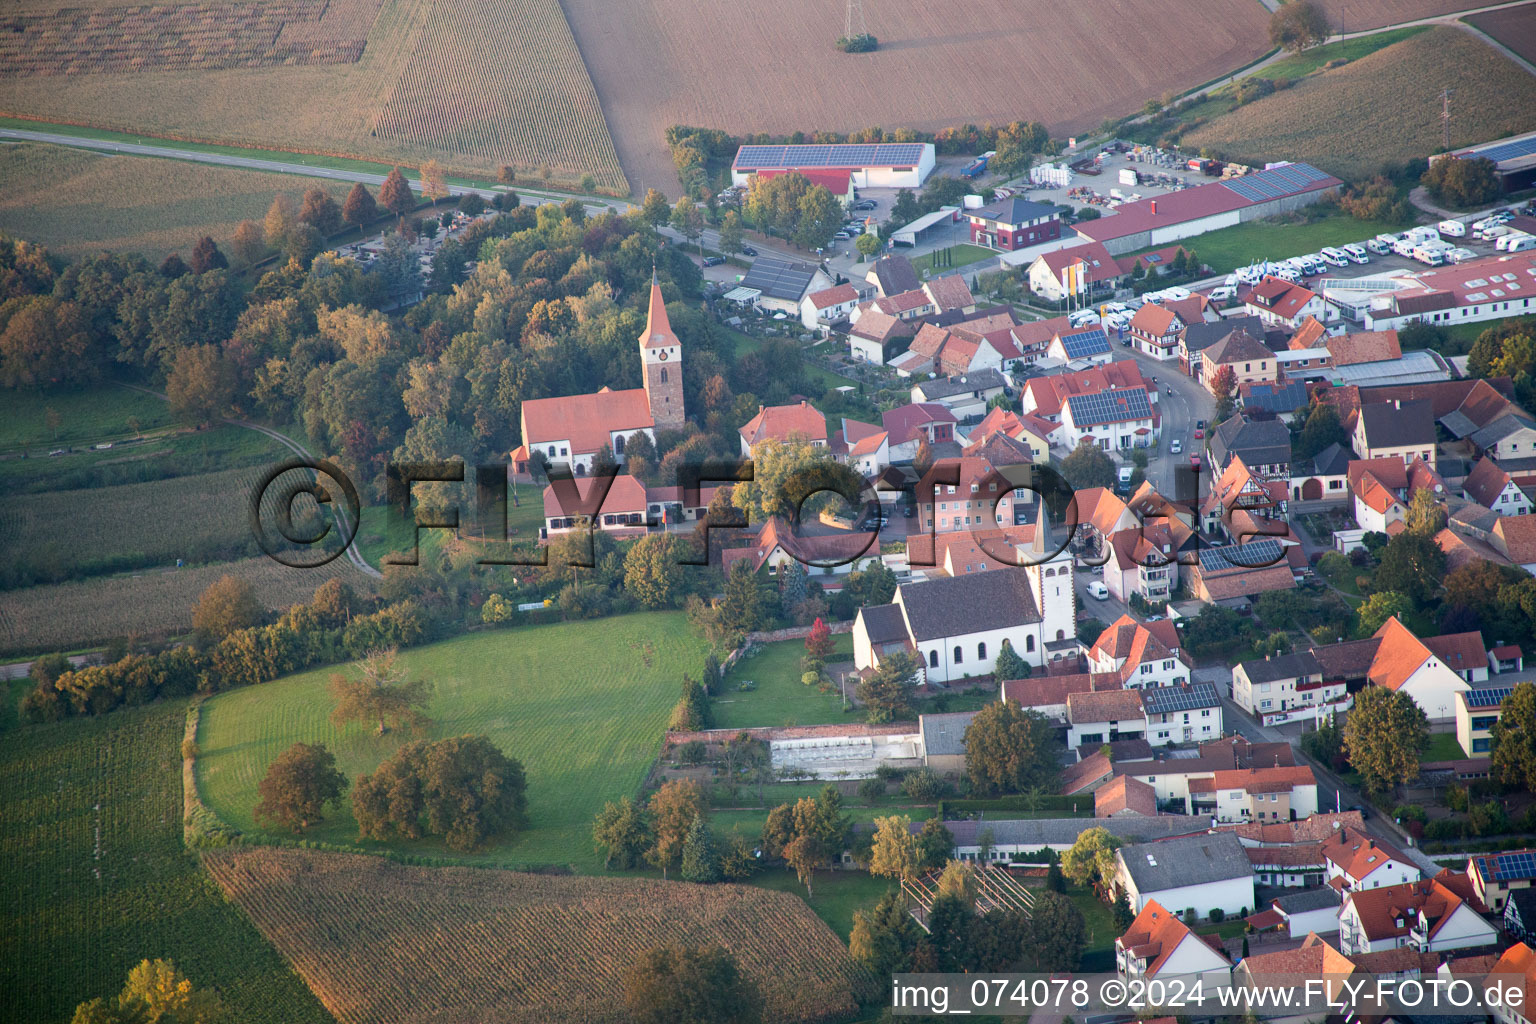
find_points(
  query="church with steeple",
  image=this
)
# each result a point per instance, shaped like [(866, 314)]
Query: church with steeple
[(575, 428)]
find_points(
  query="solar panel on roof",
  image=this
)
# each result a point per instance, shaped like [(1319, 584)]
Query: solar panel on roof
[(1163, 700), (844, 155), (1255, 554), (1111, 406), (1508, 150), (1085, 343), (1275, 182), (779, 278), (1489, 697), (1509, 867)]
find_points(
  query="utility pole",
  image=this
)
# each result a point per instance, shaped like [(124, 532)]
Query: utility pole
[(1445, 118), (854, 20)]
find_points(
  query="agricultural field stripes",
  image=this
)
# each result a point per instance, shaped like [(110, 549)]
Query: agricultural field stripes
[(74, 201), (377, 940), (1384, 108), (1359, 15), (147, 604), (1515, 27), (93, 876), (997, 63), (453, 82), (582, 704)]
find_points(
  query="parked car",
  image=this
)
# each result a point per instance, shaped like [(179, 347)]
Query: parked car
[(1222, 294), (1194, 462), (713, 261), (1199, 425), (1176, 447), (747, 250), (1083, 317), (1098, 591)]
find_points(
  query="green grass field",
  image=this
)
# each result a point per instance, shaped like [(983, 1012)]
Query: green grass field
[(170, 454), (734, 343), (381, 534), (962, 254), (86, 416), (93, 877), (1241, 245), (582, 705), (835, 895), (780, 698), (1442, 747)]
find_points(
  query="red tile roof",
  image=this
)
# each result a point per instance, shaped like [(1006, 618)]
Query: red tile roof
[(1281, 297), (1519, 959), (833, 296), (1099, 264), (1050, 393), (1460, 652), (625, 494), (586, 421), (1358, 854), (1104, 706), (1264, 780), (1154, 321), (658, 329), (1079, 776), (1486, 482), (1518, 537), (781, 422), (1045, 691), (1124, 793), (1309, 334), (949, 292), (1381, 909), (1364, 347), (1156, 934)]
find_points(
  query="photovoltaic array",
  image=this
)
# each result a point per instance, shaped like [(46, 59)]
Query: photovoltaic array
[(1256, 554), (1276, 182), (870, 155), (1165, 700), (1113, 406)]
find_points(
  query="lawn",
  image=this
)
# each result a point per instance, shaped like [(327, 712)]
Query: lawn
[(835, 895), (1242, 244), (962, 254), (1099, 930), (75, 201), (585, 725), (85, 416), (733, 342), (93, 877), (154, 457), (780, 698), (382, 534), (1442, 747)]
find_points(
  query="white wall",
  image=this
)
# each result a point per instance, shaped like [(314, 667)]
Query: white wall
[(1230, 896), (1321, 921), (1204, 724), (1433, 687)]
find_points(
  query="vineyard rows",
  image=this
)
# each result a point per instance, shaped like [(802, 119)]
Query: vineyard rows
[(505, 82), (377, 940)]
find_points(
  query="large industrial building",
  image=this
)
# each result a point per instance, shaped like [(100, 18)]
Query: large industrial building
[(1490, 288), (869, 165), (1514, 159), (1151, 223)]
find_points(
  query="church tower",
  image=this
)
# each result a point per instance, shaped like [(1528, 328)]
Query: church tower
[(661, 357), (1051, 580)]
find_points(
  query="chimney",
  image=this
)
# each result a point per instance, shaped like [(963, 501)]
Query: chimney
[(1154, 207)]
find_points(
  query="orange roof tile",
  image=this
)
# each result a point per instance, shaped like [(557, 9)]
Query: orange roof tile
[(1398, 657), (1156, 934), (586, 421), (1358, 854), (1124, 793), (780, 422)]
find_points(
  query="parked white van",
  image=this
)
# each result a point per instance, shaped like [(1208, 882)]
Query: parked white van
[(1428, 256), (1452, 228), (1405, 246), (1491, 231), (1334, 257), (1356, 254), (1517, 241), (1222, 294)]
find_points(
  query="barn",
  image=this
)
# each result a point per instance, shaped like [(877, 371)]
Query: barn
[(869, 165), (1514, 160)]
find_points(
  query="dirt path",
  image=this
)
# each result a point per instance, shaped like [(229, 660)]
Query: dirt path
[(342, 517)]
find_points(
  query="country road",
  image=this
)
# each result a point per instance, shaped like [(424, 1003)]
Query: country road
[(170, 151)]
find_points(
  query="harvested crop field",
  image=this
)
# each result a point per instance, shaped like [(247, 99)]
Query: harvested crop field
[(380, 941), (68, 615), (1358, 15), (1002, 60), (75, 201), (1515, 27), (476, 84), (1381, 109)]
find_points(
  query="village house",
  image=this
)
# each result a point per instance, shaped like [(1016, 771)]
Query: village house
[(1379, 489), (1279, 303), (801, 421), (830, 556), (966, 395), (1315, 909), (908, 426), (1155, 331), (819, 311), (1144, 561), (1249, 359), (1014, 223), (1080, 270), (893, 274), (1286, 687), (1406, 664), (1199, 873), (1158, 945), (1400, 430), (1123, 796), (1047, 695), (1426, 916), (1325, 477), (1520, 915), (1172, 776), (1518, 961), (1105, 716), (1357, 861), (1115, 420), (1476, 713), (1263, 445), (1182, 713), (1497, 876), (1195, 338), (1142, 654), (1494, 489), (879, 337), (1256, 794), (1032, 431), (1046, 397)]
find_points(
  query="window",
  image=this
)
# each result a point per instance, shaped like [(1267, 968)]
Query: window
[(618, 444), (933, 659), (1481, 746), (1061, 634), (551, 451), (1029, 643), (959, 655), (981, 652), (1146, 670)]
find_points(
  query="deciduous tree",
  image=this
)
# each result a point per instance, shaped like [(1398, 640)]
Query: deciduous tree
[(935, 844), (1088, 466), (247, 243), (463, 789), (1514, 739), (653, 571), (730, 233), (701, 858), (381, 694), (359, 207), (688, 219), (1298, 25), (1057, 933), (688, 985), (887, 694), (282, 215), (298, 785), (434, 184), (884, 937), (206, 256), (672, 809), (155, 992), (1091, 860), (395, 194), (1413, 565), (1384, 734), (894, 853), (1008, 749), (654, 209), (1378, 608), (320, 210), (229, 604), (621, 831)]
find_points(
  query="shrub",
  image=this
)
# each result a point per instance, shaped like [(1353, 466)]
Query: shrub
[(923, 785), (1217, 915), (692, 752), (865, 43)]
